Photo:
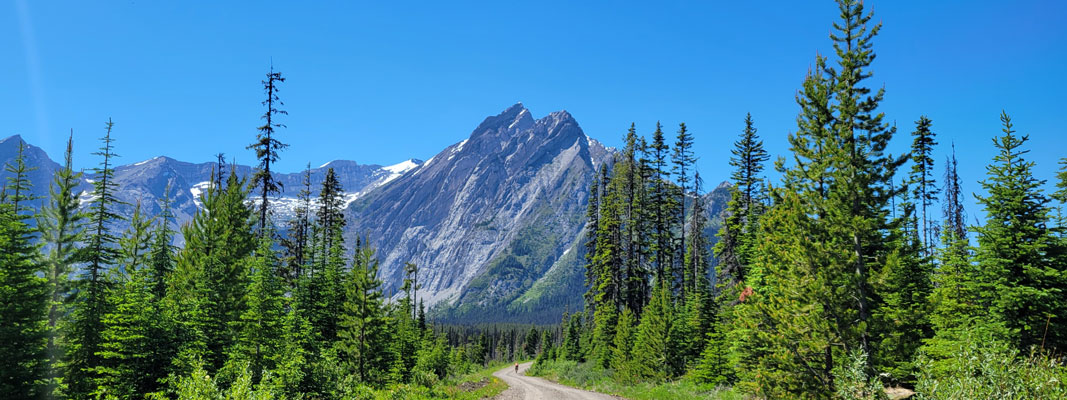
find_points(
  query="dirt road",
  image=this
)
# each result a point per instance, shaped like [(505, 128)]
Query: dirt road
[(522, 387)]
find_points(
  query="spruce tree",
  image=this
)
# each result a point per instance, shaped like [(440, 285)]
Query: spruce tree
[(296, 244), (663, 204), (161, 254), (683, 160), (697, 259), (825, 244), (210, 276), (61, 225), (607, 262), (259, 343), (592, 234), (136, 348), (635, 243), (134, 243), (1021, 285), (363, 339), (651, 345), (736, 239), (267, 146), (331, 208), (921, 177), (905, 286), (101, 255), (23, 292), (622, 349)]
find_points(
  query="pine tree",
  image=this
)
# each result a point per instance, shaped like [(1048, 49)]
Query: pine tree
[(267, 146), (714, 363), (134, 243), (737, 235), (161, 254), (622, 351), (683, 160), (101, 255), (23, 293), (363, 339), (259, 343), (663, 205), (607, 262), (926, 190), (954, 307), (529, 347), (651, 345), (61, 225), (136, 347), (905, 287), (635, 244), (571, 347), (331, 207), (830, 224), (592, 234), (296, 244), (1020, 284), (210, 276)]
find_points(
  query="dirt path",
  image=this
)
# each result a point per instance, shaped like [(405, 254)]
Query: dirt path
[(522, 387)]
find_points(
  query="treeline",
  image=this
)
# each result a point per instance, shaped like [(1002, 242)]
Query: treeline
[(240, 311), (838, 279)]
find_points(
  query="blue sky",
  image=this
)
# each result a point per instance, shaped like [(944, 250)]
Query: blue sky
[(380, 82)]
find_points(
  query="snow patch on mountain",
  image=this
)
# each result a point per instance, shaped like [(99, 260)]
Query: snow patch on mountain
[(198, 189)]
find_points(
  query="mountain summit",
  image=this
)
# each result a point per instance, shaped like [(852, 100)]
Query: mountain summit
[(486, 217)]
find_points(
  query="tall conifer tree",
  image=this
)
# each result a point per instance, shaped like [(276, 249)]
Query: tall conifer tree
[(23, 293), (1021, 285), (61, 224), (922, 179), (101, 255), (267, 146)]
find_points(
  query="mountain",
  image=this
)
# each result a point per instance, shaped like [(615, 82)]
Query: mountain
[(148, 181), (494, 222)]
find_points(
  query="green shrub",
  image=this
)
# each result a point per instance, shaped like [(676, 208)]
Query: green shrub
[(992, 370)]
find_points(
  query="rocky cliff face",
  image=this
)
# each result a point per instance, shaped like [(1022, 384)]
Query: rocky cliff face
[(506, 202), (494, 222)]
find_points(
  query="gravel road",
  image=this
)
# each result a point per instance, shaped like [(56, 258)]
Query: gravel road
[(522, 387)]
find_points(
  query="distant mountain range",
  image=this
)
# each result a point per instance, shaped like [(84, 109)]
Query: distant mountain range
[(494, 222)]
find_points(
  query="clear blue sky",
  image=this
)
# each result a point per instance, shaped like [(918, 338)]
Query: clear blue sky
[(380, 82)]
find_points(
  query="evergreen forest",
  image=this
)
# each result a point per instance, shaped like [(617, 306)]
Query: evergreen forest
[(853, 273)]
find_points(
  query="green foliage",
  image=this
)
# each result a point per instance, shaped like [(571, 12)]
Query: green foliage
[(61, 225), (23, 293), (101, 254), (136, 346), (852, 382), (571, 348), (199, 385), (1019, 283), (363, 338), (590, 377), (259, 343), (622, 356), (986, 368), (210, 280), (651, 346)]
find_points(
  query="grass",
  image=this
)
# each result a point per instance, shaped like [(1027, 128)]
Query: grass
[(476, 385), (589, 377)]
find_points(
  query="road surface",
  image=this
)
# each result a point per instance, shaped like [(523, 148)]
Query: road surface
[(522, 387)]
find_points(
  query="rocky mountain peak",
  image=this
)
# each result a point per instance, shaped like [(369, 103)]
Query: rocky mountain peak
[(512, 120)]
